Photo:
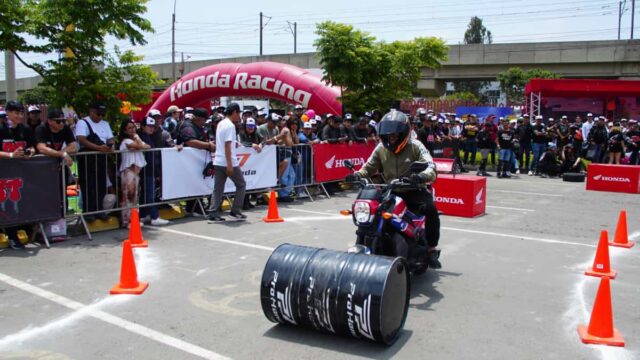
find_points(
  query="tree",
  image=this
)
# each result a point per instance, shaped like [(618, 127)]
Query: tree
[(76, 30), (373, 74), (466, 96), (38, 95), (477, 33), (513, 81)]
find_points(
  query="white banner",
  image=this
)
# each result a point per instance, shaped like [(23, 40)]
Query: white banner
[(182, 171)]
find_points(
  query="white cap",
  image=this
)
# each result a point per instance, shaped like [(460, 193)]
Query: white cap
[(458, 119), (447, 121), (154, 112), (373, 123), (538, 117), (590, 114), (3, 113), (262, 112), (610, 123), (188, 108), (422, 111), (525, 115), (552, 119), (312, 122), (33, 108), (307, 125), (348, 116), (434, 118), (329, 115), (275, 117), (189, 116), (441, 121), (317, 118), (151, 121), (513, 121), (299, 107), (367, 114), (501, 118), (623, 120), (250, 121), (564, 117)]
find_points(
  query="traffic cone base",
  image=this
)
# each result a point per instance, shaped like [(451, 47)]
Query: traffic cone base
[(272, 213), (627, 245), (591, 272), (142, 244), (117, 290), (621, 238), (615, 340)]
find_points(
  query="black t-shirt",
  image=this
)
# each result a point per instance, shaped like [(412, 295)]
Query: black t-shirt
[(19, 137), (505, 138), (540, 139), (54, 140), (525, 133), (484, 139), (470, 131), (189, 131), (427, 135)]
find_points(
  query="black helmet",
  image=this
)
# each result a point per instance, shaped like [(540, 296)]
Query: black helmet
[(394, 122)]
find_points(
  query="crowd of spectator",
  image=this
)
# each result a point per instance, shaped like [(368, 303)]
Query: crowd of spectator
[(513, 146)]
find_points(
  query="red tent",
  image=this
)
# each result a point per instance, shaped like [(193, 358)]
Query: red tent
[(583, 87)]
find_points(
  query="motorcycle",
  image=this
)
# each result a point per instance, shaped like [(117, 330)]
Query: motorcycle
[(385, 225)]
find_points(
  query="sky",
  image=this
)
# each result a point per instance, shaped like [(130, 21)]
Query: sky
[(218, 29)]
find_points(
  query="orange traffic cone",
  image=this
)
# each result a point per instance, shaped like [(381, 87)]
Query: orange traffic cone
[(600, 330), (129, 283), (601, 266), (272, 214), (622, 239), (135, 233)]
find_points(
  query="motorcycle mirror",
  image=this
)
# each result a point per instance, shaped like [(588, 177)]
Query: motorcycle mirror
[(418, 166), (348, 164)]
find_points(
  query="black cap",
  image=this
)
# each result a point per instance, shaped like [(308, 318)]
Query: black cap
[(233, 107), (337, 119), (14, 106), (54, 113), (200, 112), (98, 105)]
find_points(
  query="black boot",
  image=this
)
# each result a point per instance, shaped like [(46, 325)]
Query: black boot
[(499, 167)]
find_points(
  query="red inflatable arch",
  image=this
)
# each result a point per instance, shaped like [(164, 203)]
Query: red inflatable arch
[(262, 79)]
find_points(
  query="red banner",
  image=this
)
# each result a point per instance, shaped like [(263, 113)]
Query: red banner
[(614, 178), (328, 159), (462, 195)]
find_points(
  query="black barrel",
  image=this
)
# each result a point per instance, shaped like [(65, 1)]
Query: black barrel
[(364, 296)]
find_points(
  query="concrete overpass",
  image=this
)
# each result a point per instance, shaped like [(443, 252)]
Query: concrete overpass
[(614, 59)]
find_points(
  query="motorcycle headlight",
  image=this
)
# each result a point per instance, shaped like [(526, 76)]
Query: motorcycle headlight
[(361, 212)]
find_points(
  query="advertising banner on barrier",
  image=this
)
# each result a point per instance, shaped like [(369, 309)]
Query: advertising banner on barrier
[(614, 178), (30, 191), (461, 195), (328, 159), (182, 171)]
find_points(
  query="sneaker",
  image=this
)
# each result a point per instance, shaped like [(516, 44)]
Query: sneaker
[(518, 172), (238, 215), (15, 244), (530, 173), (499, 176), (479, 173), (159, 222), (506, 176), (486, 174), (544, 176), (214, 218), (146, 219)]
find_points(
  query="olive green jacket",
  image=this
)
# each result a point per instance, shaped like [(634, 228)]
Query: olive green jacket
[(393, 166)]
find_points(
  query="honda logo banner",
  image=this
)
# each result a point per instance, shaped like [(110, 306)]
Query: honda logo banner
[(461, 195), (329, 159), (613, 178), (30, 190), (182, 171)]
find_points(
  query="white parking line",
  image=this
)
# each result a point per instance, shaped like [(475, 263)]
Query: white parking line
[(519, 237), (337, 213), (508, 208), (525, 193), (81, 309), (209, 238)]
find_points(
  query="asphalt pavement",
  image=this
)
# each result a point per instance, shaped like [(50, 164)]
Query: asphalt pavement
[(511, 286)]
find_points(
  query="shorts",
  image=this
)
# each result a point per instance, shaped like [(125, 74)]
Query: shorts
[(505, 154)]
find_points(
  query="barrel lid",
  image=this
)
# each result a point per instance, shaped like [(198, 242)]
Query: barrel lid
[(395, 301)]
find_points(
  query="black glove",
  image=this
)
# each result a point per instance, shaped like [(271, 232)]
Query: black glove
[(354, 177), (418, 179)]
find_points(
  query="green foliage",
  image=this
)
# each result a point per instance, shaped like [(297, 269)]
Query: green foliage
[(77, 29), (513, 81), (477, 33), (464, 95), (38, 95), (373, 74), (473, 87)]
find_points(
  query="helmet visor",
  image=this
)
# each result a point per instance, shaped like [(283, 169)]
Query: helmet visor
[(392, 127)]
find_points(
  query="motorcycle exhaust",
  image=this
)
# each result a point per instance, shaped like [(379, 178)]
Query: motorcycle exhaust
[(351, 294)]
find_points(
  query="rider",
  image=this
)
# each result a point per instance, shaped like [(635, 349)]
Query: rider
[(392, 157)]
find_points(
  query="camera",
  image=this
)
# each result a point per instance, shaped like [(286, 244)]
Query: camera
[(27, 152)]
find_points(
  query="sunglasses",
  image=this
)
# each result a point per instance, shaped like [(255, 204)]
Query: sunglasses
[(58, 121)]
